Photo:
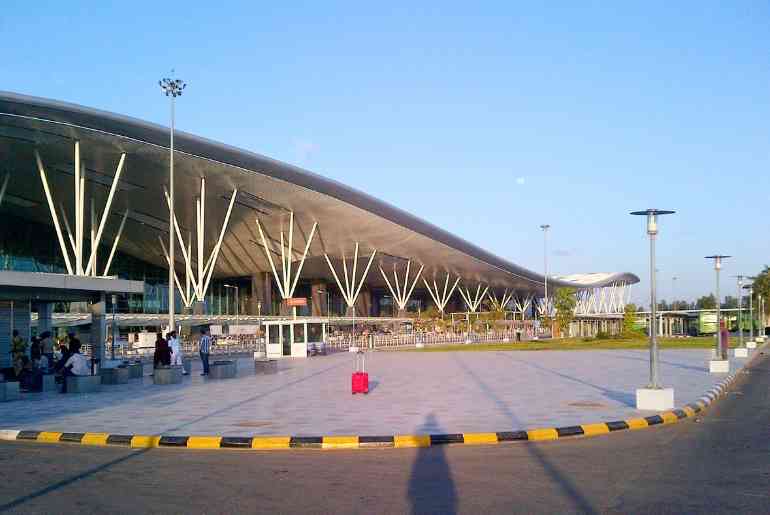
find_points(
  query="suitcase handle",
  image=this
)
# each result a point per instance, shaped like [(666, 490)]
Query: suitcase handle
[(362, 356)]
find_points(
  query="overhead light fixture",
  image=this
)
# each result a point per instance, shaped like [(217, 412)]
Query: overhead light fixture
[(20, 201), (97, 177), (258, 204)]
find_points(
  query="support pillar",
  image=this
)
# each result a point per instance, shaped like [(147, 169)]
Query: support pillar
[(44, 317), (363, 305), (318, 306), (262, 292), (98, 327)]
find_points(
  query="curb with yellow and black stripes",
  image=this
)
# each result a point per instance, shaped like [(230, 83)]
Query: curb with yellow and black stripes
[(265, 443)]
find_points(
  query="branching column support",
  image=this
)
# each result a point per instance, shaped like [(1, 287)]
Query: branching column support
[(186, 300), (76, 237), (4, 187), (502, 303), (522, 305), (288, 279), (352, 286), (402, 295), (441, 298), (473, 302), (201, 278)]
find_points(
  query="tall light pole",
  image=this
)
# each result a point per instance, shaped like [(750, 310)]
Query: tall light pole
[(545, 228), (237, 300), (719, 353), (750, 288), (740, 307), (172, 88), (652, 231)]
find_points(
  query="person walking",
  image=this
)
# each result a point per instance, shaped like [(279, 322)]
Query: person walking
[(176, 351), (205, 350)]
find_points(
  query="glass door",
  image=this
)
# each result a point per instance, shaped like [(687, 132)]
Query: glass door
[(286, 339)]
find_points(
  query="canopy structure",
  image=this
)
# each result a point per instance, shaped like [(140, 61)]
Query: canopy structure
[(238, 213)]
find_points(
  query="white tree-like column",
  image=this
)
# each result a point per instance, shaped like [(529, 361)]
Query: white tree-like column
[(502, 303), (287, 281), (352, 286), (402, 294), (199, 278), (441, 298), (97, 229), (471, 301)]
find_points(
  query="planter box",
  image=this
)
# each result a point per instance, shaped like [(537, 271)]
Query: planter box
[(263, 366), (223, 370), (167, 375), (135, 370), (84, 384), (118, 375), (9, 391)]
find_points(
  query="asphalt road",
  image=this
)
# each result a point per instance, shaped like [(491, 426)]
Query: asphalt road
[(719, 463)]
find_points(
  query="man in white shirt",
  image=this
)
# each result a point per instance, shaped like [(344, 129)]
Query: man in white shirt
[(176, 350), (76, 365)]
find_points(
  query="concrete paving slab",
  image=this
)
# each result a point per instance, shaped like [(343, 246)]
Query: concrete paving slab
[(409, 392)]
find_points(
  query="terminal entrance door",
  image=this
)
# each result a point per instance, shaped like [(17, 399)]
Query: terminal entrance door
[(286, 340)]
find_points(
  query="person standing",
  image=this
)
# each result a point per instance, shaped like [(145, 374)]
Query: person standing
[(176, 351), (205, 350), (46, 343), (162, 355)]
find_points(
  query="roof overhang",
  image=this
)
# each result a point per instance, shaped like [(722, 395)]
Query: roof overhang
[(37, 286)]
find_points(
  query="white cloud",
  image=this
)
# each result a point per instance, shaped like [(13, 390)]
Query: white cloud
[(305, 149)]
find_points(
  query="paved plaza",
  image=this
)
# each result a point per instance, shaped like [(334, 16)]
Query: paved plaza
[(411, 392)]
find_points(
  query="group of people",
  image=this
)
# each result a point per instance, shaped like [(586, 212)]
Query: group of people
[(29, 368), (168, 351)]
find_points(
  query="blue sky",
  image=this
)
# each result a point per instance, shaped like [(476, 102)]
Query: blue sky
[(485, 118)]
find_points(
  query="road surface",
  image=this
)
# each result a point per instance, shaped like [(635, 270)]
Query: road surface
[(719, 463)]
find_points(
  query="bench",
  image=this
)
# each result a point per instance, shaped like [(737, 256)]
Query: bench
[(266, 366), (167, 375), (117, 375), (223, 370), (9, 391), (84, 384)]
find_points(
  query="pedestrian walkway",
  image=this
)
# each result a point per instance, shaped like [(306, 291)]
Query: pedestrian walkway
[(458, 391)]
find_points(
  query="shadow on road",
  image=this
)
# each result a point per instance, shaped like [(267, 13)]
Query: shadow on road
[(560, 479), (626, 398), (431, 487)]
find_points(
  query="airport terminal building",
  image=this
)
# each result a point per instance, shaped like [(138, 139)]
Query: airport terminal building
[(84, 201)]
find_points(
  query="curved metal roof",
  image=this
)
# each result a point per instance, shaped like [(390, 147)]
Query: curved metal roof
[(272, 188)]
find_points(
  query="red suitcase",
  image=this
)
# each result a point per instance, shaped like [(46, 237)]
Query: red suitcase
[(360, 379)]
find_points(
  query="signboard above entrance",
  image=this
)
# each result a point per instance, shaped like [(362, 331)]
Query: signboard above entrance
[(296, 301)]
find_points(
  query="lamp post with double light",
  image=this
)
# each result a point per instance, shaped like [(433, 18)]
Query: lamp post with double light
[(171, 88), (720, 363), (654, 397)]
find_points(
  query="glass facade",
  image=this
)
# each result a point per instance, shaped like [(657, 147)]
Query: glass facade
[(32, 247)]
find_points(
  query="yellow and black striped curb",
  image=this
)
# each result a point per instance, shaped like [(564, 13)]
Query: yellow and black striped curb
[(264, 443)]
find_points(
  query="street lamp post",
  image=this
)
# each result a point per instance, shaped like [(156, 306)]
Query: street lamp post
[(545, 228), (719, 364), (654, 396), (740, 308), (172, 88), (750, 288), (237, 300)]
